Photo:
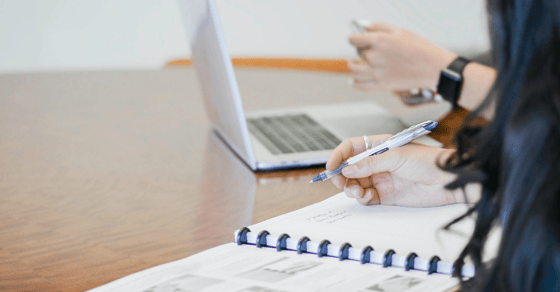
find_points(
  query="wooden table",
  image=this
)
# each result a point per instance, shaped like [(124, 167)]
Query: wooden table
[(103, 174)]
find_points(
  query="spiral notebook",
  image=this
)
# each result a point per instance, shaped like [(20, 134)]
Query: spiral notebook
[(407, 238), (332, 245)]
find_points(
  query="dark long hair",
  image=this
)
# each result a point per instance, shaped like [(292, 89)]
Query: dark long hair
[(516, 156)]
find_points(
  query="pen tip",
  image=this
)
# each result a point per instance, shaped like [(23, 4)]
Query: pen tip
[(315, 179)]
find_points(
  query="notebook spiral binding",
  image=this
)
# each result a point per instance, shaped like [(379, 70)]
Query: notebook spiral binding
[(346, 252)]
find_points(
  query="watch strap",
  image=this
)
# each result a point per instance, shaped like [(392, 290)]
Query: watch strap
[(458, 65)]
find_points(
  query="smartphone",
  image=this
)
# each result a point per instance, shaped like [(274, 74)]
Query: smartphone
[(359, 26)]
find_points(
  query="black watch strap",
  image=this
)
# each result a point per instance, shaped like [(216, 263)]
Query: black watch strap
[(451, 80)]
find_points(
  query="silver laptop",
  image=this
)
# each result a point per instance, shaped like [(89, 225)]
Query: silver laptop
[(276, 139)]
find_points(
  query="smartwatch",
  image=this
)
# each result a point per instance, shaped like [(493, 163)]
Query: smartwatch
[(451, 80)]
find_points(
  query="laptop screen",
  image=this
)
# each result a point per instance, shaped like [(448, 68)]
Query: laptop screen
[(215, 73)]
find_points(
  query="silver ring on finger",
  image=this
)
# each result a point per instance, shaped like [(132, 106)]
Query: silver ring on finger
[(368, 143)]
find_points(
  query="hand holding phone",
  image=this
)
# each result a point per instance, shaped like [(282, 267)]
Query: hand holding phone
[(410, 97)]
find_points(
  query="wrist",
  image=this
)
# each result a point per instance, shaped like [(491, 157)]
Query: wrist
[(470, 195), (440, 61)]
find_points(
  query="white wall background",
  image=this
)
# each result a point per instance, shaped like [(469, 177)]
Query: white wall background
[(52, 35)]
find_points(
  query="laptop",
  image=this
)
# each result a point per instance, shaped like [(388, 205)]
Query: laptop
[(274, 139)]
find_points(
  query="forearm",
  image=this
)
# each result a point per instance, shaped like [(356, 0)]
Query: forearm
[(477, 82)]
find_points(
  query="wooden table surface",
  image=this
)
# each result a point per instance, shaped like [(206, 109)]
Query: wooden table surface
[(103, 174)]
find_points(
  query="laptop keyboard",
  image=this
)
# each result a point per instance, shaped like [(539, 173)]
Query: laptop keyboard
[(292, 134)]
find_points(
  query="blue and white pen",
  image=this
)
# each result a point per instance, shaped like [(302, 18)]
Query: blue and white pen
[(400, 139)]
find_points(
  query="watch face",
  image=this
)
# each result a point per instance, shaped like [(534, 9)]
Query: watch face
[(449, 85)]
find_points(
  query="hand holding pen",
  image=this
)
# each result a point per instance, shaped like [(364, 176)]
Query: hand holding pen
[(405, 176), (400, 139)]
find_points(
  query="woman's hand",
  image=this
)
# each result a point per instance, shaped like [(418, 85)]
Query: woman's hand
[(396, 59), (404, 176)]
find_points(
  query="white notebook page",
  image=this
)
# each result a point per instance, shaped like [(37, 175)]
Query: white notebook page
[(405, 230)]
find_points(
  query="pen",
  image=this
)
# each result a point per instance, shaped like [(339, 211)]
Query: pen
[(400, 139)]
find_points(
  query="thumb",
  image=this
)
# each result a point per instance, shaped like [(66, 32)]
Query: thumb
[(386, 162)]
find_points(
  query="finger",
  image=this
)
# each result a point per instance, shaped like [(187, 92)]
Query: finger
[(360, 41), (380, 26), (359, 68), (365, 182), (364, 41), (339, 181), (351, 147), (346, 149), (386, 162), (352, 189), (371, 197)]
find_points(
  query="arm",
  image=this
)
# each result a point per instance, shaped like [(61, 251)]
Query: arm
[(477, 82), (396, 59)]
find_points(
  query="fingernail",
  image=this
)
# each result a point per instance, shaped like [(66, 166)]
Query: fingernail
[(356, 192), (368, 197), (349, 171)]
